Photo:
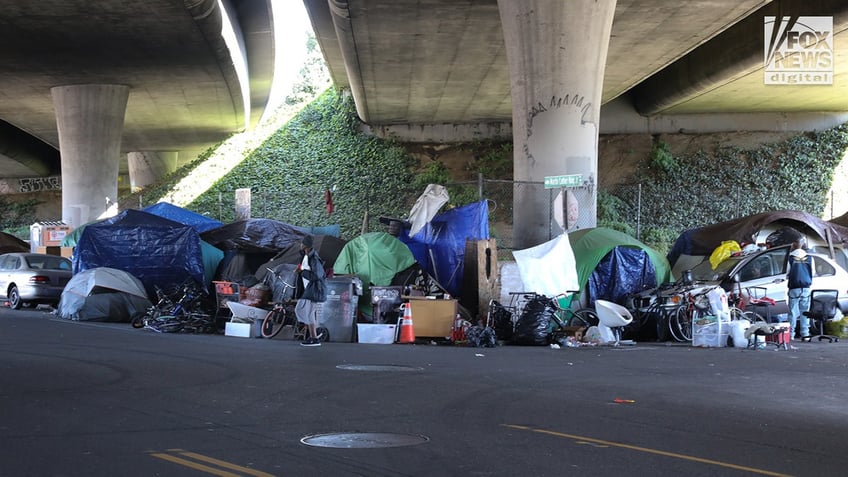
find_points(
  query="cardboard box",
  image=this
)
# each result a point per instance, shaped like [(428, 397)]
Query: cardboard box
[(49, 250), (48, 234), (432, 318), (375, 334)]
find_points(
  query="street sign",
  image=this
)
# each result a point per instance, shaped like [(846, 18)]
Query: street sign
[(569, 180)]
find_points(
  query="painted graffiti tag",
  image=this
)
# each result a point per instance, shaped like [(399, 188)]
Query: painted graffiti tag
[(39, 184), (557, 102)]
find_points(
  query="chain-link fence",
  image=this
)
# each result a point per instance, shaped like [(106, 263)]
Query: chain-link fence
[(375, 210), (626, 207)]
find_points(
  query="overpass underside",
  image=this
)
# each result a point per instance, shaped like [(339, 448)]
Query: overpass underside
[(552, 75)]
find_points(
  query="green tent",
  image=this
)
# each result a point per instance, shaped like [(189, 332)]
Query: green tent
[(375, 257), (590, 246), (73, 237)]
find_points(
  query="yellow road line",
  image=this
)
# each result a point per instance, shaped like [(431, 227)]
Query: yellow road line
[(193, 465), (210, 460), (650, 451)]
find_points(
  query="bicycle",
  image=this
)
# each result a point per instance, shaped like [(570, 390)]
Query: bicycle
[(171, 315), (566, 317), (681, 322), (282, 314), (663, 306)]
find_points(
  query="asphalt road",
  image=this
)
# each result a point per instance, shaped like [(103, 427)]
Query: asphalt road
[(93, 399)]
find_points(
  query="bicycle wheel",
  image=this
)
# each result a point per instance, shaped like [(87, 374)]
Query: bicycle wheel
[(680, 323), (165, 324), (273, 323), (752, 316), (583, 317)]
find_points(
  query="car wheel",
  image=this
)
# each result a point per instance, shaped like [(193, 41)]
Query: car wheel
[(15, 298)]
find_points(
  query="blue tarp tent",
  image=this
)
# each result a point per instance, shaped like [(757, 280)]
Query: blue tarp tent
[(198, 222), (212, 255), (612, 264), (153, 249), (440, 245)]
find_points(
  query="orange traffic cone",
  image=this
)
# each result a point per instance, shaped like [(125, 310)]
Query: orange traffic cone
[(407, 332)]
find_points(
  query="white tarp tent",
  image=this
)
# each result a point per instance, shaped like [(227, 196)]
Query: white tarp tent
[(548, 268)]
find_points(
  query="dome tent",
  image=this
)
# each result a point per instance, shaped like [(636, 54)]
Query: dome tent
[(103, 294), (612, 264)]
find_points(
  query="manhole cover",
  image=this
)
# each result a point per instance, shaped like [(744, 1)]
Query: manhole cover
[(377, 367), (363, 440)]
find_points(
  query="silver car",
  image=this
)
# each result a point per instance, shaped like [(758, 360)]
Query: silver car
[(28, 279)]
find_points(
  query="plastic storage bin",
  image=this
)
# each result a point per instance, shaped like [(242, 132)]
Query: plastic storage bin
[(710, 332), (375, 334)]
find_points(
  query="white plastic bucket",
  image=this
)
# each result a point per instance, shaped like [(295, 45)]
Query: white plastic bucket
[(737, 332)]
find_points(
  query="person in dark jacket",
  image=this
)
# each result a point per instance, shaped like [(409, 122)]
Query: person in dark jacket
[(308, 308), (800, 278)]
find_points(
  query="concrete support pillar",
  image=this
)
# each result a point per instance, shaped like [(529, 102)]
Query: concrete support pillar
[(90, 119), (148, 167), (556, 52)]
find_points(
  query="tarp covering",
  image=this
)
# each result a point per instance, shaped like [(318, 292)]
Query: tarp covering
[(548, 268), (242, 267), (103, 294), (255, 235), (155, 250), (9, 243), (73, 236), (615, 275), (440, 245), (622, 271), (703, 240), (212, 257), (328, 248), (426, 207), (375, 257), (198, 222)]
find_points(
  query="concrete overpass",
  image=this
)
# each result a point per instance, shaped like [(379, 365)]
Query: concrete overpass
[(188, 72), (452, 70), (425, 63)]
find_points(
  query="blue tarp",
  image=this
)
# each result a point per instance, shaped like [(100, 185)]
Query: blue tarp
[(623, 271), (612, 264), (440, 246), (153, 249), (198, 222)]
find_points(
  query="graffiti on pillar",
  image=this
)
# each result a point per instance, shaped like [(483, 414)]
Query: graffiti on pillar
[(557, 102), (30, 184), (560, 140)]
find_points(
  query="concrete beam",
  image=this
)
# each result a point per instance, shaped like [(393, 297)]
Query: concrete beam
[(736, 52), (620, 117), (441, 133)]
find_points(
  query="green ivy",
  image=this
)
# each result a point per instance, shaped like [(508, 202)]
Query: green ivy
[(320, 149), (706, 188), (17, 216), (661, 158)]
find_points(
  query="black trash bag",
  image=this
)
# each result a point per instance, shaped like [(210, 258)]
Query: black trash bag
[(480, 337), (534, 325), (501, 321)]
